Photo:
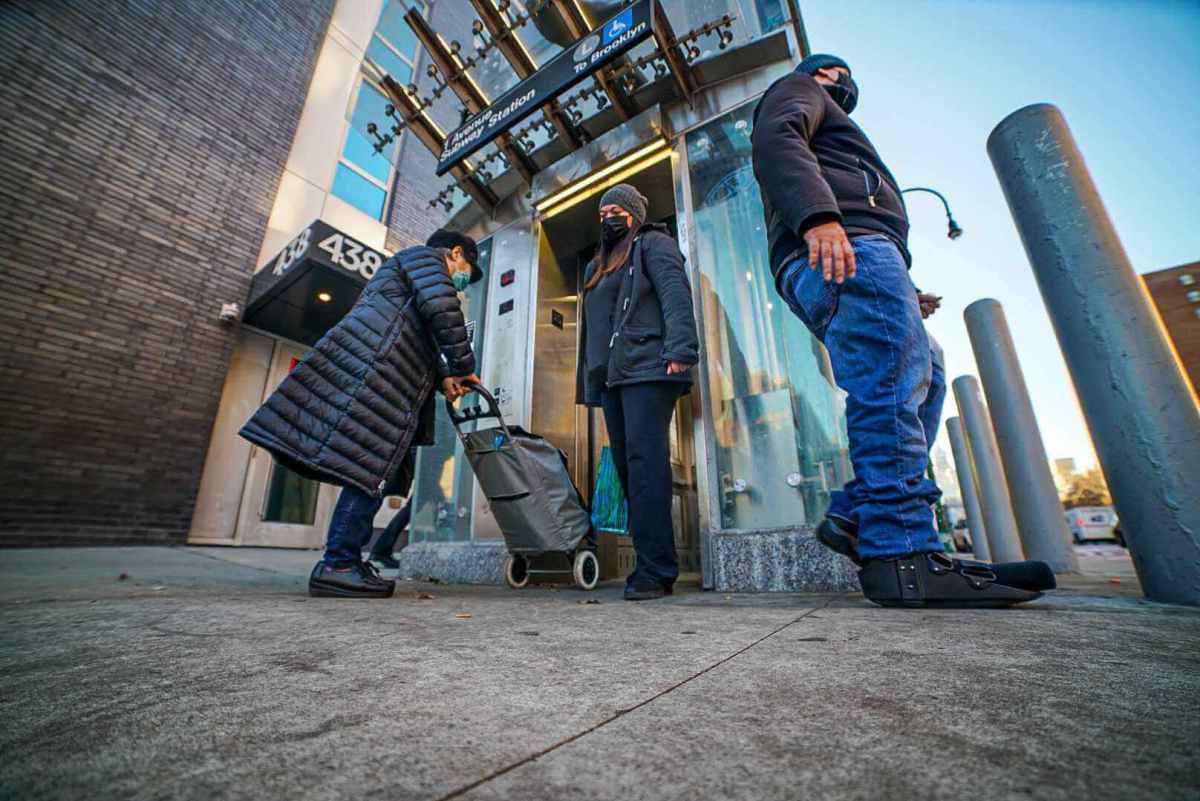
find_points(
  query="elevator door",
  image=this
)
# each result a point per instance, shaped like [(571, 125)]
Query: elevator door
[(566, 243)]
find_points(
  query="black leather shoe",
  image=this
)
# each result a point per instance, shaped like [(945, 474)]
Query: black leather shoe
[(359, 580), (839, 536), (638, 592), (387, 561), (936, 580)]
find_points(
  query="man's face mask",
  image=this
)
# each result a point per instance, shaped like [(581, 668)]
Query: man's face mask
[(614, 229), (844, 92), (462, 280)]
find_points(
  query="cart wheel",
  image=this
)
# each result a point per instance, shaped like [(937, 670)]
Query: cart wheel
[(516, 572), (587, 570)]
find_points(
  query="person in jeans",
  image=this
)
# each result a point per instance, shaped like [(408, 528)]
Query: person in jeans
[(838, 232), (637, 345), (354, 408), (383, 551)]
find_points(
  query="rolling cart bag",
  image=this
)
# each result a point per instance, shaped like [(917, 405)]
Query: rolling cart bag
[(526, 481)]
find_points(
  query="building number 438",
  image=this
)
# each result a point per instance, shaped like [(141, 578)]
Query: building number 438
[(343, 251)]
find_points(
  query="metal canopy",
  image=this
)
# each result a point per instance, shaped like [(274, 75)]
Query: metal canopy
[(523, 65)]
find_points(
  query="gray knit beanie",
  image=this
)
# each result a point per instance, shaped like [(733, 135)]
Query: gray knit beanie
[(628, 198)]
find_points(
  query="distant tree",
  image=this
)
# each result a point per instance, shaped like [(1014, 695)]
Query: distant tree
[(1087, 489)]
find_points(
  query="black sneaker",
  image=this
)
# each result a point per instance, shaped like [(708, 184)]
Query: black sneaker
[(358, 580), (646, 592), (387, 561), (839, 535), (936, 580)]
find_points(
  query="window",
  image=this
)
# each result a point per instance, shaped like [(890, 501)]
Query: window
[(364, 174)]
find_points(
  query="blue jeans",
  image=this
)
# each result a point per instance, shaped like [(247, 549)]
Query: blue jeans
[(841, 502), (351, 527), (881, 356)]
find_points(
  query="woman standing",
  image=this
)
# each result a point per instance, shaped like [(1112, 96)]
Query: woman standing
[(637, 345)]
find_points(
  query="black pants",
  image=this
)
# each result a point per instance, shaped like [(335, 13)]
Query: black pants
[(638, 419)]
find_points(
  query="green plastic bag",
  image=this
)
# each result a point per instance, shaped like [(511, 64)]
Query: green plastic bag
[(610, 509)]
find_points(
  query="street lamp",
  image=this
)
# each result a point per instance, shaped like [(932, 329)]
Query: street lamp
[(955, 231)]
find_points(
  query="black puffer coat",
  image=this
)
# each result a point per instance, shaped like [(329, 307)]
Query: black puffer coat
[(355, 404)]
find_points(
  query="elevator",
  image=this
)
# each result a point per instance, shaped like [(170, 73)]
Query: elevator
[(527, 343)]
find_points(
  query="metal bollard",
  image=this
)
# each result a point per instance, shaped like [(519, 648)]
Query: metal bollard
[(969, 488), (1038, 510), (1139, 407), (1003, 541)]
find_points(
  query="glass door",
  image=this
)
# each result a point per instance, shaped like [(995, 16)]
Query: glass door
[(279, 507)]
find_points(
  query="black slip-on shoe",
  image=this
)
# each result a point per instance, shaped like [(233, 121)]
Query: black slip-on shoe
[(936, 580), (387, 561), (359, 580), (637, 592), (834, 534), (838, 535)]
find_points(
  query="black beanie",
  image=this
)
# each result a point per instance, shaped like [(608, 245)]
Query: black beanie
[(445, 238), (819, 61)]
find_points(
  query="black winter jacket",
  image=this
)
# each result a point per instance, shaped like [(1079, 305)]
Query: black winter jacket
[(815, 165), (654, 322), (362, 397)]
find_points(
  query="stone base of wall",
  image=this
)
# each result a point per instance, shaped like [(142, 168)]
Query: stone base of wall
[(454, 562), (774, 561), (787, 560)]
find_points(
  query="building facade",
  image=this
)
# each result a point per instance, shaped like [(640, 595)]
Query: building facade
[(319, 175), (1176, 295), (143, 144)]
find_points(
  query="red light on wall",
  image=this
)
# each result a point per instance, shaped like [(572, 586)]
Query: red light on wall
[(508, 278)]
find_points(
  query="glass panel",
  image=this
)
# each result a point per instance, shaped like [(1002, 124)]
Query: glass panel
[(688, 14), (359, 149), (442, 490), (772, 14), (779, 418), (359, 192), (393, 27), (386, 59), (290, 498)]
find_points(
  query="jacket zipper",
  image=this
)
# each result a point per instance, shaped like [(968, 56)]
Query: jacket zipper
[(625, 309), (863, 166)]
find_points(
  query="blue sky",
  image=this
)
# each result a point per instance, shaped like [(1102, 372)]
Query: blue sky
[(935, 79)]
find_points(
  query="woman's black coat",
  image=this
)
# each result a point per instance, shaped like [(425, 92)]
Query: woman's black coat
[(653, 321), (362, 397)]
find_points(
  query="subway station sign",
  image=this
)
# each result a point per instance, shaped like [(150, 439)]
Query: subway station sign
[(618, 35)]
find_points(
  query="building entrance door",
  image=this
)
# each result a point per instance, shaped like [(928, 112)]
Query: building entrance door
[(566, 243), (279, 507)]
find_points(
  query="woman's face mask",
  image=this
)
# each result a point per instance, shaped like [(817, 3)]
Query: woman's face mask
[(613, 228), (462, 280)]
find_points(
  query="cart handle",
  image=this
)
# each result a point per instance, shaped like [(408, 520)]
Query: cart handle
[(477, 412)]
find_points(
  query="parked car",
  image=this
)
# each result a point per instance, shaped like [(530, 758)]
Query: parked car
[(1092, 523)]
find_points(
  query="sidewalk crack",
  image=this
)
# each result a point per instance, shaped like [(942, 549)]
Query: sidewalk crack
[(623, 712)]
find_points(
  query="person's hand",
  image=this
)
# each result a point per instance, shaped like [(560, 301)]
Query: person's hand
[(830, 251), (674, 368), (455, 387), (928, 303)]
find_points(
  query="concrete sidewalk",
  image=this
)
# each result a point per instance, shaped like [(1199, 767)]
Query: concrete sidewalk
[(208, 673)]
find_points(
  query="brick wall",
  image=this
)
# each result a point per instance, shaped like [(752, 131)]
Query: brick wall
[(141, 147)]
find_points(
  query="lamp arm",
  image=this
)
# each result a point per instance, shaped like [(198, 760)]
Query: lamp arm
[(934, 192)]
